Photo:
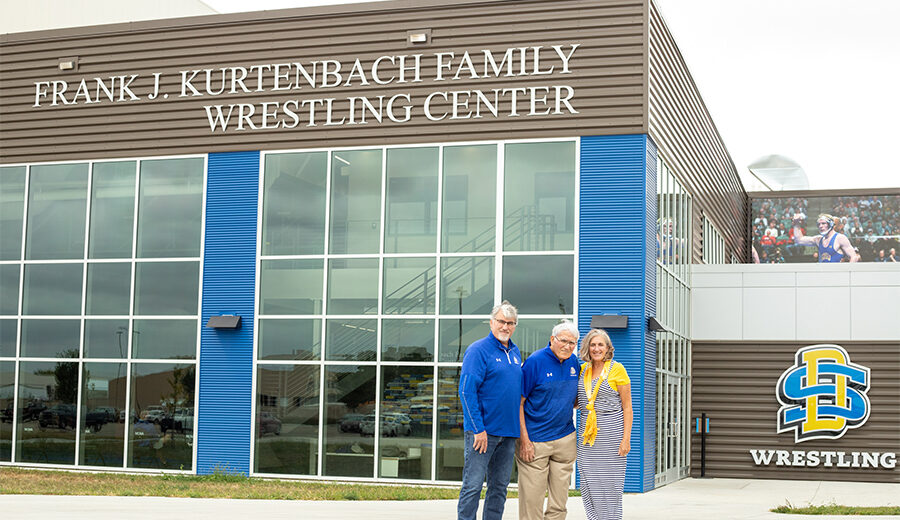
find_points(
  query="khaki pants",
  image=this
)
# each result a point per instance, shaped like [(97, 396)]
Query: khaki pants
[(551, 470)]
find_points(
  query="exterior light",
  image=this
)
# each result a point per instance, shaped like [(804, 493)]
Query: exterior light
[(67, 64), (609, 321), (224, 321), (418, 37)]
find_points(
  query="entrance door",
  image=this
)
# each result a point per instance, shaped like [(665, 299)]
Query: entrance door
[(672, 435)]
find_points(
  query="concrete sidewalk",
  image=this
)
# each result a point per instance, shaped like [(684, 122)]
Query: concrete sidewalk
[(688, 499)]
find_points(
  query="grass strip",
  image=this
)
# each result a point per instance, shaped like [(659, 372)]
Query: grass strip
[(834, 509), (17, 481)]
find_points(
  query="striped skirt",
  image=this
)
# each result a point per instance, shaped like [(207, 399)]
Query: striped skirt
[(601, 469)]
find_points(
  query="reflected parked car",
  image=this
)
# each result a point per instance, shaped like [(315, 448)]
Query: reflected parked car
[(267, 423), (95, 419), (110, 412), (59, 415), (7, 414), (183, 420), (32, 410), (392, 425), (351, 422), (154, 414)]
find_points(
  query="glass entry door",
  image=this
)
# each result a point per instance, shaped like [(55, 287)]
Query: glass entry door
[(672, 436)]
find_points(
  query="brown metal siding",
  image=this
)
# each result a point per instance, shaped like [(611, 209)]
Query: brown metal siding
[(734, 384), (607, 75), (690, 144)]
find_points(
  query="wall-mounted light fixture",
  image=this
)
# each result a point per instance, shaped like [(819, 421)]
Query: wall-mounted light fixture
[(654, 325), (224, 321), (418, 37), (68, 64), (609, 321)]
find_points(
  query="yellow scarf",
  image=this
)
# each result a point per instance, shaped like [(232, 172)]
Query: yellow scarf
[(590, 426)]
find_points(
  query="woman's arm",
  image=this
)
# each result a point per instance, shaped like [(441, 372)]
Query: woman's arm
[(625, 395)]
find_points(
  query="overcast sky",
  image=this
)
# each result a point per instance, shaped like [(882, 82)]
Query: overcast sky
[(814, 80)]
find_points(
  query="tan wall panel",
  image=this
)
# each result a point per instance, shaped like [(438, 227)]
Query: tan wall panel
[(607, 75), (689, 142), (735, 385)]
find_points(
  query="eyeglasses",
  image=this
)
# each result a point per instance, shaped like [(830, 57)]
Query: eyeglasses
[(504, 323), (566, 342)]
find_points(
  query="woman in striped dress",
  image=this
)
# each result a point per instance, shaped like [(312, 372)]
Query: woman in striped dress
[(604, 427)]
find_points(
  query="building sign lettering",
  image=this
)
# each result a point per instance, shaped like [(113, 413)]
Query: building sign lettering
[(321, 76)]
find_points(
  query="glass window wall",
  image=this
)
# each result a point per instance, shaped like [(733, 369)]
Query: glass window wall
[(355, 201), (294, 203), (12, 206), (360, 344), (57, 203), (539, 197), (412, 192), (287, 420), (98, 387), (673, 286)]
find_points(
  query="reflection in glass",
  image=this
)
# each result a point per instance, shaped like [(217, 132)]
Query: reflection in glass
[(287, 420), (166, 288), (540, 284), (533, 334), (160, 394), (46, 412), (57, 204), (106, 339), (112, 210), (409, 285), (8, 338), (52, 289), (290, 339), (349, 421), (7, 382), (290, 287), (50, 338), (102, 397), (169, 208), (470, 198), (355, 201), (539, 197), (411, 213), (12, 208), (407, 340), (467, 285), (456, 336), (294, 204), (351, 340), (108, 289), (406, 421), (353, 286), (9, 289), (164, 339), (450, 446)]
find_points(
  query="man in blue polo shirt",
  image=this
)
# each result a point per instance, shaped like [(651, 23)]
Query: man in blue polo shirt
[(489, 386), (547, 443)]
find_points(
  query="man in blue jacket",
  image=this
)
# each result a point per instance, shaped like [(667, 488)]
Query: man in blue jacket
[(547, 444), (489, 393)]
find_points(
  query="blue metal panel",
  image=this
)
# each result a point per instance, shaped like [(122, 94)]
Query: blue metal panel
[(229, 273), (616, 272)]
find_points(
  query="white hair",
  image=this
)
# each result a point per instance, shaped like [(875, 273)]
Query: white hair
[(565, 326), (507, 309)]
